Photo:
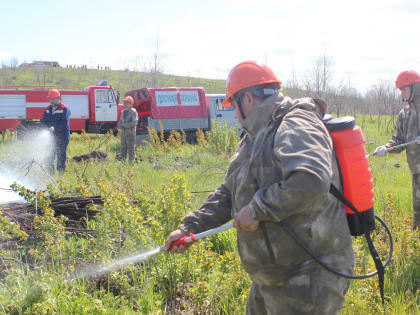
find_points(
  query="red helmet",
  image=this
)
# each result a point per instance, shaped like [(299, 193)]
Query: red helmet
[(53, 93), (407, 78), (128, 99), (245, 75)]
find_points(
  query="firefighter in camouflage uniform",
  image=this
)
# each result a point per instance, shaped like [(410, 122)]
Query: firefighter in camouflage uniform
[(283, 178), (128, 126), (408, 129)]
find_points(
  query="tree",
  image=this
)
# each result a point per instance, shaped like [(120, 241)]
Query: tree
[(14, 62), (293, 87), (344, 98), (383, 99), (154, 64), (317, 81)]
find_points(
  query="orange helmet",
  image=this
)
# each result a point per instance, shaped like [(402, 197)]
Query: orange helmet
[(407, 78), (128, 99), (247, 74), (53, 93)]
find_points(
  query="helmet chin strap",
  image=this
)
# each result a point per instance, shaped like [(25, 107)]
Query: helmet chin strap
[(238, 101), (410, 99)]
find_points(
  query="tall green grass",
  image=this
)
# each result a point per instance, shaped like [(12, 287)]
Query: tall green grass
[(145, 201)]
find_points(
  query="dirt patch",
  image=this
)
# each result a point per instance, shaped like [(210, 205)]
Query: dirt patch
[(95, 155)]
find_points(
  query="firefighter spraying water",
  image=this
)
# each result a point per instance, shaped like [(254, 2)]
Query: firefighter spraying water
[(57, 119), (282, 185)]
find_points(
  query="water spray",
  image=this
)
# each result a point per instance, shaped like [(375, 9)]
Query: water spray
[(397, 147), (23, 162), (139, 257)]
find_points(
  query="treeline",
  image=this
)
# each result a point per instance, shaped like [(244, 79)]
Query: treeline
[(381, 98)]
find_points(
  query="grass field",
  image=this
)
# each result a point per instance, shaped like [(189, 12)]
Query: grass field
[(146, 201)]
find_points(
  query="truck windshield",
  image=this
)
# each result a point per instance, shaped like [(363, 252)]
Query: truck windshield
[(104, 96)]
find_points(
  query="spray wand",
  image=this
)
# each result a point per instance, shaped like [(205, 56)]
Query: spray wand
[(139, 257), (397, 147)]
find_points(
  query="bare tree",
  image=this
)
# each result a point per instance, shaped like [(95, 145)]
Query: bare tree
[(14, 62), (384, 99), (157, 58), (343, 98), (318, 79), (293, 87), (38, 75), (154, 64)]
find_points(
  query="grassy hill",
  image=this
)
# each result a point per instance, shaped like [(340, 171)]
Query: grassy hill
[(122, 80)]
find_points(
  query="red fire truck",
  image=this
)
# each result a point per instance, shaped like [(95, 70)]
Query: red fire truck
[(94, 109), (177, 108)]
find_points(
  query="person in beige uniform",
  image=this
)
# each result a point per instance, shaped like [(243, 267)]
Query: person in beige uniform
[(128, 125), (408, 129), (279, 175)]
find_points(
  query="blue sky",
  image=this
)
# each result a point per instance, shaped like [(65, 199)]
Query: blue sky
[(369, 40)]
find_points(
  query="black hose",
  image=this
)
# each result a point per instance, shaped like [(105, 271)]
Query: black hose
[(333, 270)]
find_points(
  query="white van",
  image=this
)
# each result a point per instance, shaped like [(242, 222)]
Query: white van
[(218, 112)]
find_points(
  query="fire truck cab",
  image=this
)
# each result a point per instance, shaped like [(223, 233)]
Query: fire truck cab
[(94, 109)]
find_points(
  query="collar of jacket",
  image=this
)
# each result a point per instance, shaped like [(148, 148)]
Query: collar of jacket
[(60, 106), (274, 107), (261, 115), (305, 103)]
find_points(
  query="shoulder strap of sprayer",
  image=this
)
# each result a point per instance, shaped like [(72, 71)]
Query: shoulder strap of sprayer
[(275, 124)]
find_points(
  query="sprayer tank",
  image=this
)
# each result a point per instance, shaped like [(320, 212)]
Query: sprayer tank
[(356, 175)]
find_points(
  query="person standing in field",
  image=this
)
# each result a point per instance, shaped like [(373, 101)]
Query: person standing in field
[(408, 129), (128, 126), (56, 118), (279, 174)]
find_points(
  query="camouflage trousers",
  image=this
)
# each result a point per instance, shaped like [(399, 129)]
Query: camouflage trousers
[(416, 200), (312, 292), (128, 144)]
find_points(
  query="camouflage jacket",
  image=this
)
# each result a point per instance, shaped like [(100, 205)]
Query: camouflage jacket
[(287, 180), (129, 119), (408, 128)]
